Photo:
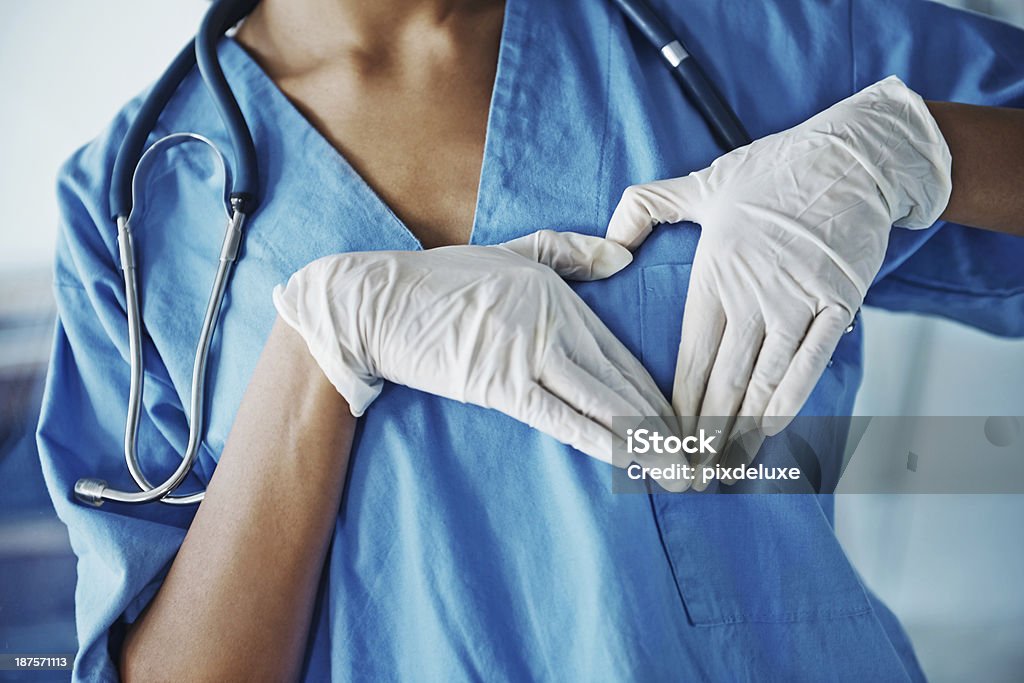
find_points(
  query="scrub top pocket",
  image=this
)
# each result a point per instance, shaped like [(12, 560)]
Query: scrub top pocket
[(756, 558)]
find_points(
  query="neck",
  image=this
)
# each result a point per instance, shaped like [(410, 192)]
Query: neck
[(305, 33)]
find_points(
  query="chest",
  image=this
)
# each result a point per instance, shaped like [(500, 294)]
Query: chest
[(563, 140), (417, 139)]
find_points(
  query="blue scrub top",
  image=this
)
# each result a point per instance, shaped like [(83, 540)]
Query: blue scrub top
[(468, 546)]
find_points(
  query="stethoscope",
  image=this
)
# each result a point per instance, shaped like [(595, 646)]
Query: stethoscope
[(242, 200)]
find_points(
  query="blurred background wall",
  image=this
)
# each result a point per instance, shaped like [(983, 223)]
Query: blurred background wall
[(949, 565)]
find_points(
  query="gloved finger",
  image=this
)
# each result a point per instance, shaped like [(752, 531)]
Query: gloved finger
[(647, 396), (599, 394), (777, 351), (734, 364), (572, 255), (644, 206), (702, 330), (595, 387), (728, 381), (549, 414), (744, 443), (806, 368)]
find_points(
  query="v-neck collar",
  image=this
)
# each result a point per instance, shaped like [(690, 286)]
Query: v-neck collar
[(259, 85)]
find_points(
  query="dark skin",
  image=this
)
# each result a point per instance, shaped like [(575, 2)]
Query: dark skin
[(987, 144), (401, 88), (404, 100), (237, 601)]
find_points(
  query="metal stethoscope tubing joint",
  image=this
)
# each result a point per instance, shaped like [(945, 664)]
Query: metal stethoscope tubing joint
[(95, 491), (725, 126)]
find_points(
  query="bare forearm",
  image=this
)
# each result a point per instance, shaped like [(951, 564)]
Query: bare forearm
[(987, 145), (238, 599)]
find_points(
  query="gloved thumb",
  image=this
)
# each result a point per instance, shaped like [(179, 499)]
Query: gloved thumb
[(644, 206), (572, 255)]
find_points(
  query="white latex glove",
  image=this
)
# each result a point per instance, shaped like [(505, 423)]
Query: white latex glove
[(494, 326), (794, 229)]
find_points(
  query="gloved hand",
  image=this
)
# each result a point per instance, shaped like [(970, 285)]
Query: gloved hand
[(794, 229), (494, 326)]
